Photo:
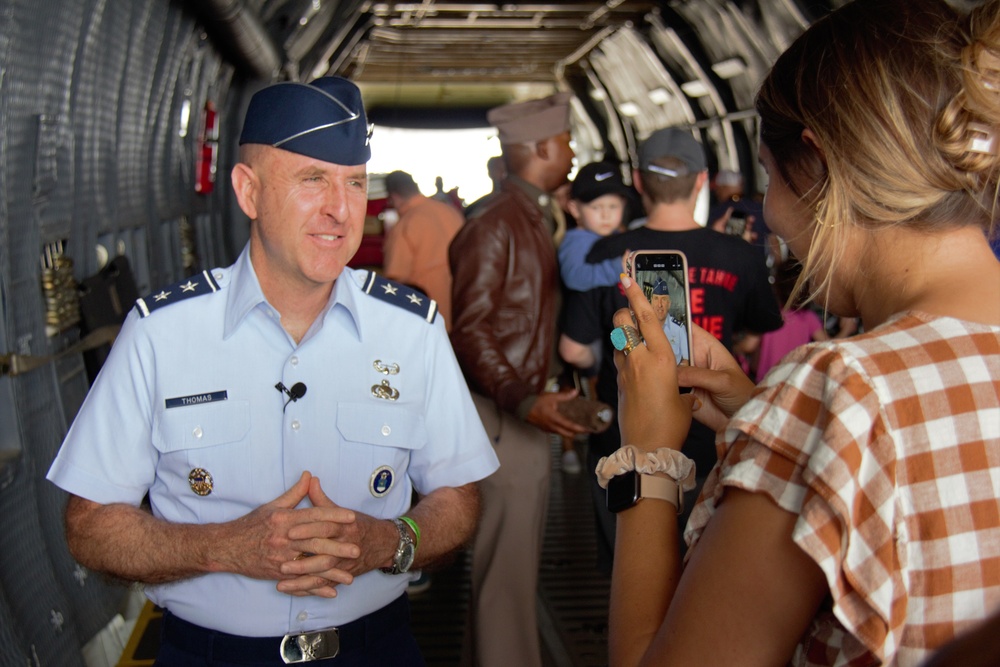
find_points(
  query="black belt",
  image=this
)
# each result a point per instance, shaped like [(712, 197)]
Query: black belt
[(223, 646)]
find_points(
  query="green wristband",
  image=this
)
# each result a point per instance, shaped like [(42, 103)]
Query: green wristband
[(414, 527)]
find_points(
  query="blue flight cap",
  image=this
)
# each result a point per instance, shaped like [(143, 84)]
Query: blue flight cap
[(660, 287), (324, 119)]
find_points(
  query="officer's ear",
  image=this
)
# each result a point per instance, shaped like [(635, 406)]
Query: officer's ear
[(246, 186)]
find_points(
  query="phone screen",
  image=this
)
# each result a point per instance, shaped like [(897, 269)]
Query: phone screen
[(662, 275), (736, 224)]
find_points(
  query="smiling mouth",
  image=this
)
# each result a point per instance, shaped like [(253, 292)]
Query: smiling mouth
[(328, 237)]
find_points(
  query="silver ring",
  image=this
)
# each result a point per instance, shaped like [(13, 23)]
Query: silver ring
[(625, 338)]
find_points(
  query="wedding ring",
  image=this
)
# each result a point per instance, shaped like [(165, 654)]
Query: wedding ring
[(625, 338)]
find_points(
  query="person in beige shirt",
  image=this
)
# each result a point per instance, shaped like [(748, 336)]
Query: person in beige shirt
[(416, 248)]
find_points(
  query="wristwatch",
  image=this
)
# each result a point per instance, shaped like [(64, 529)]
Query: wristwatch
[(627, 489), (405, 552)]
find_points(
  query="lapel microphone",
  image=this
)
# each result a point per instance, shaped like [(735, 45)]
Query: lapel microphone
[(297, 391)]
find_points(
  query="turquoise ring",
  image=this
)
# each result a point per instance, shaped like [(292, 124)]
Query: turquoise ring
[(625, 338)]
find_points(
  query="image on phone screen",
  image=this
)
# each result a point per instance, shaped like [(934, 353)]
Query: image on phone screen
[(662, 275), (736, 224)]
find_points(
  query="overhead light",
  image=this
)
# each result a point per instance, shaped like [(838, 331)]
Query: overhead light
[(695, 88), (182, 129), (659, 95), (598, 94), (629, 109), (729, 67)]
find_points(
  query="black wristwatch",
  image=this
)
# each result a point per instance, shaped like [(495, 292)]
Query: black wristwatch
[(627, 489), (405, 551)]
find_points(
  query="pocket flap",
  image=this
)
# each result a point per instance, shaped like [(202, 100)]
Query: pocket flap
[(197, 426), (380, 425)]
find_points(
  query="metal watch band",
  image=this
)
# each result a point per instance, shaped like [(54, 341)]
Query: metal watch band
[(415, 528), (405, 551)]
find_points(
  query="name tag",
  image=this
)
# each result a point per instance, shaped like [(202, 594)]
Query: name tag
[(196, 399)]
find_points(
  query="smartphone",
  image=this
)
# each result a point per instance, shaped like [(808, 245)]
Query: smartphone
[(737, 223), (663, 277)]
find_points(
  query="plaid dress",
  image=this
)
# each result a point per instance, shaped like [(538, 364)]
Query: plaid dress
[(887, 447)]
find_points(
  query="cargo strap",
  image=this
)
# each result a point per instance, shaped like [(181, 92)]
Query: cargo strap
[(19, 364)]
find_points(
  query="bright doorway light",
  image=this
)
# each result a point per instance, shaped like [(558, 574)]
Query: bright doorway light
[(457, 156)]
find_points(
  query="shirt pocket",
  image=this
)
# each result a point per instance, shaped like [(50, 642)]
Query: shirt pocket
[(377, 439), (214, 437)]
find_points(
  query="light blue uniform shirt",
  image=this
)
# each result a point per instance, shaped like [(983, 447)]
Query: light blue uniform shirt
[(192, 385), (678, 337)]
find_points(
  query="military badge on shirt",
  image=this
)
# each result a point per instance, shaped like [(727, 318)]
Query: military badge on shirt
[(381, 481)]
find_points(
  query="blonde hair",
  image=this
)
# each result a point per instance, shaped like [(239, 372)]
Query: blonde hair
[(903, 97)]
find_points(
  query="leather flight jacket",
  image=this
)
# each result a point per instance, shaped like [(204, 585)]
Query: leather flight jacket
[(505, 283)]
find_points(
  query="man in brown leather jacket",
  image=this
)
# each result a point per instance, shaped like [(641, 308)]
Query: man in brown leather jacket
[(505, 310)]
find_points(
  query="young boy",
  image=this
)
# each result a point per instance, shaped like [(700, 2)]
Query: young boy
[(597, 201)]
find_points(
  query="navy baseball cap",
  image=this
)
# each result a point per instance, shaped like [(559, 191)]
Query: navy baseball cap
[(676, 143), (597, 179), (324, 119)]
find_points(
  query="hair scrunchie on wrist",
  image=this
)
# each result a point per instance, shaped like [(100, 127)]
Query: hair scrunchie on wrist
[(668, 462)]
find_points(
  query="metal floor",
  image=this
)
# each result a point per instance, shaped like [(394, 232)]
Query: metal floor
[(572, 597)]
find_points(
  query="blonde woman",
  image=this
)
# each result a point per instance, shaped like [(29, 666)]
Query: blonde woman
[(853, 518)]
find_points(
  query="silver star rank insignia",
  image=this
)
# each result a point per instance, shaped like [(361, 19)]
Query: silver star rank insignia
[(387, 290)]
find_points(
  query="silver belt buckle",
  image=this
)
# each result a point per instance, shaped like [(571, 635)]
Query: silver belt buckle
[(309, 646)]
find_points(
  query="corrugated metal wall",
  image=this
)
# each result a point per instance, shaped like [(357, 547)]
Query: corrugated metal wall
[(100, 110)]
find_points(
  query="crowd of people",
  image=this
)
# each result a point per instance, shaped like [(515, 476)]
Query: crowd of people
[(840, 508)]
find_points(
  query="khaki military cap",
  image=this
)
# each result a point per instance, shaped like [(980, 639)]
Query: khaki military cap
[(534, 120)]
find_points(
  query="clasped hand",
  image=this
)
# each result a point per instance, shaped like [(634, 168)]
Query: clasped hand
[(308, 551)]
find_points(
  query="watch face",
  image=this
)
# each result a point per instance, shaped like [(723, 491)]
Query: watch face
[(623, 491), (405, 559)]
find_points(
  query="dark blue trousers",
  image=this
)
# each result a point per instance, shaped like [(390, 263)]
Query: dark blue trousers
[(381, 639)]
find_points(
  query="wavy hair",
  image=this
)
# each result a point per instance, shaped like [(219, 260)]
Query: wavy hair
[(904, 98)]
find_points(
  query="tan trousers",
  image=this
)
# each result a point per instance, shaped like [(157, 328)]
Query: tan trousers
[(501, 629)]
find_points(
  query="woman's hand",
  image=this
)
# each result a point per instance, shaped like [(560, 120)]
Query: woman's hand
[(720, 385), (651, 411)]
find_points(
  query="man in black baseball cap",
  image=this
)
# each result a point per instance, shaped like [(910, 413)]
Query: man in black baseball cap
[(675, 147), (730, 292)]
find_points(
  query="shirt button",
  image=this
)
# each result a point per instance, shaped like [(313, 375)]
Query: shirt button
[(303, 615), (198, 432), (295, 425), (294, 361), (386, 430), (218, 275)]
